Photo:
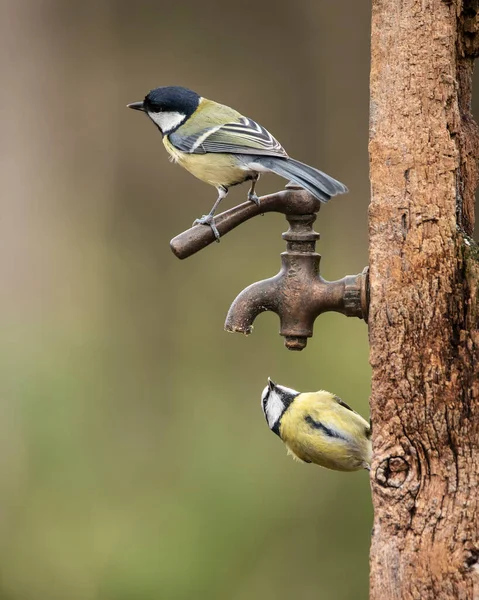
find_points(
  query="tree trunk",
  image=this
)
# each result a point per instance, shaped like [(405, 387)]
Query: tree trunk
[(424, 311)]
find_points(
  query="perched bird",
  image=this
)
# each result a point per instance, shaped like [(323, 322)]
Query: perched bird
[(318, 427), (221, 147)]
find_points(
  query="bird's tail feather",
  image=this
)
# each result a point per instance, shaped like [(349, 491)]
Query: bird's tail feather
[(321, 186)]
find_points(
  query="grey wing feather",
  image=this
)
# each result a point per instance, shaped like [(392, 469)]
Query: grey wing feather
[(319, 184), (242, 137)]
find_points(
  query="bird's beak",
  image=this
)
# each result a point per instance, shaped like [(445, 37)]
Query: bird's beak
[(136, 106), (271, 385)]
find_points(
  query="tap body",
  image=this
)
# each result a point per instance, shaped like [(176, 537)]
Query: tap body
[(298, 294)]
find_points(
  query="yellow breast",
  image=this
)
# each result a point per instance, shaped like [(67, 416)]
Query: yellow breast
[(215, 168), (347, 453)]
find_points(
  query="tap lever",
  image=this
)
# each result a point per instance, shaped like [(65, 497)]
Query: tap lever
[(291, 201)]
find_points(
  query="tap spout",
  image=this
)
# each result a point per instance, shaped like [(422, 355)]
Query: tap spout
[(298, 295), (252, 301)]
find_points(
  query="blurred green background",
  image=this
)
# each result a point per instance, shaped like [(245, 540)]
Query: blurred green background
[(135, 462)]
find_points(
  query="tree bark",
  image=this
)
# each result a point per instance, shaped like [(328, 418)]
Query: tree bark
[(424, 310)]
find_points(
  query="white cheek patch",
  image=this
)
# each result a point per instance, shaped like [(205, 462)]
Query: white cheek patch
[(274, 409), (167, 121)]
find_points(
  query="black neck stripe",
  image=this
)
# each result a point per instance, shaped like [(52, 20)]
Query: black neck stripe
[(276, 426)]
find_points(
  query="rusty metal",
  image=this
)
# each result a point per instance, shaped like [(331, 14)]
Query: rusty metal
[(297, 294), (292, 200)]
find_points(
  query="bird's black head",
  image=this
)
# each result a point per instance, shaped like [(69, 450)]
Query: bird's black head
[(172, 99), (168, 107)]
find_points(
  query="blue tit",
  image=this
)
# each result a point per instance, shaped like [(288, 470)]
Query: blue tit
[(318, 427), (221, 147)]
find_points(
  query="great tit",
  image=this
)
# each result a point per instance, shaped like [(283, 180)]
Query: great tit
[(221, 147), (318, 427)]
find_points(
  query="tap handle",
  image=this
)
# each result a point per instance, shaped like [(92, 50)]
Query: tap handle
[(291, 201)]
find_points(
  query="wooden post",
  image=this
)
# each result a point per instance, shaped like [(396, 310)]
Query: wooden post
[(424, 312)]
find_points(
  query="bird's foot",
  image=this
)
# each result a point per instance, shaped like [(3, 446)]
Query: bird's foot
[(210, 221), (254, 198)]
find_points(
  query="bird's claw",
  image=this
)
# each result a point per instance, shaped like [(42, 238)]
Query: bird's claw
[(210, 221), (253, 198)]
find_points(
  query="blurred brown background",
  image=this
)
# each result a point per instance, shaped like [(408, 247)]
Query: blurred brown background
[(135, 462)]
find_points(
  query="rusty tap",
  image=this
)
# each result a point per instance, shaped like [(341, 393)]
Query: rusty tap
[(297, 294)]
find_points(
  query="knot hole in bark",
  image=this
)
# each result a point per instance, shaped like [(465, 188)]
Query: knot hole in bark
[(392, 472), (472, 559)]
